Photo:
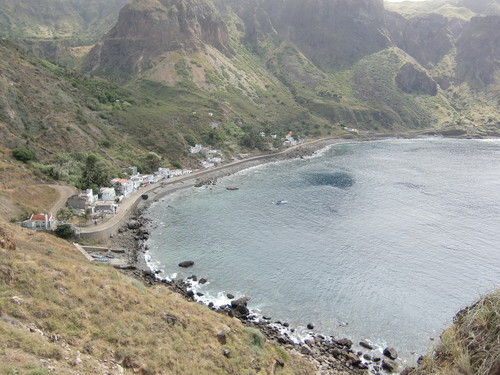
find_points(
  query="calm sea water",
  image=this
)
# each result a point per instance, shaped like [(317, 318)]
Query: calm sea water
[(383, 241)]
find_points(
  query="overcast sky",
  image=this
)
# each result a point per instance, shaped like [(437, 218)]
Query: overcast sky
[(397, 1)]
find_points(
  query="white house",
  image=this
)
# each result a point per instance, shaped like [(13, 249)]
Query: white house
[(83, 200), (125, 187), (150, 179), (137, 181), (195, 149), (215, 160), (40, 221), (106, 208), (206, 164), (174, 172), (165, 172), (108, 194)]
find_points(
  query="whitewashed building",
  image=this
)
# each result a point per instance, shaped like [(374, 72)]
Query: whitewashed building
[(106, 208), (108, 194), (125, 187), (83, 200), (207, 164), (195, 149), (40, 221)]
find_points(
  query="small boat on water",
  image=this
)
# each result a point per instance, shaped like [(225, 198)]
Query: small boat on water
[(281, 201), (232, 188)]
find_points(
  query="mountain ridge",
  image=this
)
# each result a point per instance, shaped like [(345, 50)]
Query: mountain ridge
[(315, 68)]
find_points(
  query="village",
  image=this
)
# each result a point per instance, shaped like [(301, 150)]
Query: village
[(89, 208)]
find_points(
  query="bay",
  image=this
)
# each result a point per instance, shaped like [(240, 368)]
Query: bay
[(383, 241)]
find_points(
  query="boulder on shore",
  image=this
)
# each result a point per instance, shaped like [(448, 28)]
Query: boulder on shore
[(133, 224), (343, 342), (366, 344), (390, 365), (186, 264), (240, 301), (391, 353)]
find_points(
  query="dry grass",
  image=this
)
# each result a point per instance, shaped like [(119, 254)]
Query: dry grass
[(471, 346), (67, 308), (18, 192)]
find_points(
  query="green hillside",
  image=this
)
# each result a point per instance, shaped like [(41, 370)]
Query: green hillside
[(174, 73)]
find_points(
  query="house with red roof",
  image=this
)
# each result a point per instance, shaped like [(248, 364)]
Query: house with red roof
[(40, 221)]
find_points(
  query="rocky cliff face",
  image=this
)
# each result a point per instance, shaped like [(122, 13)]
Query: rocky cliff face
[(473, 46), (58, 19), (427, 38), (478, 50), (316, 65), (148, 28), (413, 80), (329, 32)]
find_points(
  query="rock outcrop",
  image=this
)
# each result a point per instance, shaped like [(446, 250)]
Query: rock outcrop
[(478, 50), (427, 38), (413, 80), (148, 29), (329, 32)]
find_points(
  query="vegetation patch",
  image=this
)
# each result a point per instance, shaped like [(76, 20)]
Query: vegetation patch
[(470, 345)]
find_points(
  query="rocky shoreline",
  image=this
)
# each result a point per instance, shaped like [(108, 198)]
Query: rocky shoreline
[(332, 356)]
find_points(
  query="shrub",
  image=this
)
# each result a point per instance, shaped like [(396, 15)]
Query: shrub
[(64, 231), (23, 154)]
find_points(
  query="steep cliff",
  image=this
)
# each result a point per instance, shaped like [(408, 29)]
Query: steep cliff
[(147, 29), (330, 33), (427, 38), (478, 51)]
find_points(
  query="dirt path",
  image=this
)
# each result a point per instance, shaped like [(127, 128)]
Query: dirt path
[(64, 193)]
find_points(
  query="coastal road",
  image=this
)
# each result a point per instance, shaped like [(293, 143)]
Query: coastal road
[(127, 206)]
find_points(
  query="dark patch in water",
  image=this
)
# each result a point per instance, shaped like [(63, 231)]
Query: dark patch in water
[(341, 180)]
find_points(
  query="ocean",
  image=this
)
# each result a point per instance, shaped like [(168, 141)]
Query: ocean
[(383, 241)]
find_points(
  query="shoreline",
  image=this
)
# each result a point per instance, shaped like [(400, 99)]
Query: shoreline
[(134, 245), (328, 353)]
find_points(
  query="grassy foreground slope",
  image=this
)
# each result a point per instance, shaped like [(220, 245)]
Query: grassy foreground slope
[(60, 313)]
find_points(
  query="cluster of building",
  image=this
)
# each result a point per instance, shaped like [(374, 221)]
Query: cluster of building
[(212, 157), (106, 201), (91, 203), (291, 141), (108, 198)]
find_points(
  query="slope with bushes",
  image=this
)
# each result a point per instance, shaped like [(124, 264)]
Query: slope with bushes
[(471, 345)]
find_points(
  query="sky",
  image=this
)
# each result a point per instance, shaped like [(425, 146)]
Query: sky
[(398, 1)]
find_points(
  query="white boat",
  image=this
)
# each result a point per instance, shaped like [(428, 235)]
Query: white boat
[(281, 201)]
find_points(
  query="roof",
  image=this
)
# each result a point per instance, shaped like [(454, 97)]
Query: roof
[(122, 181), (40, 217)]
